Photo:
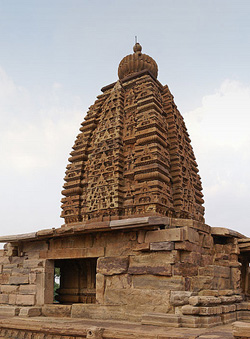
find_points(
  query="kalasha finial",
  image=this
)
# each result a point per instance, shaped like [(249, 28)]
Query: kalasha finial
[(137, 47)]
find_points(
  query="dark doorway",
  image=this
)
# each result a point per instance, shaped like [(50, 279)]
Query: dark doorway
[(77, 281), (244, 259)]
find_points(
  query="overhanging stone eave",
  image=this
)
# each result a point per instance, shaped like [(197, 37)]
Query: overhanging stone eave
[(83, 227), (226, 232), (148, 222)]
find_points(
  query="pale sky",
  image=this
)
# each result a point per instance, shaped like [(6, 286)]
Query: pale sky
[(56, 55)]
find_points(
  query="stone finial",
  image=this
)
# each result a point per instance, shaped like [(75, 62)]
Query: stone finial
[(137, 48), (137, 62)]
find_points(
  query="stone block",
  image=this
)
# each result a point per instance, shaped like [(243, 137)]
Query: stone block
[(174, 222), (27, 289), (32, 278), (34, 246), (4, 278), (241, 330), (208, 241), (162, 246), (158, 282), (9, 311), (71, 253), (119, 281), (8, 288), (179, 298), (185, 269), (211, 321), (30, 311), (156, 263), (144, 247), (112, 265), (12, 299), (190, 310), (4, 298), (204, 300), (100, 288), (191, 322), (228, 308), (192, 235), (141, 236), (174, 234), (191, 258), (210, 293), (212, 310), (122, 248), (33, 263), (25, 300), (187, 246), (202, 283), (161, 319), (56, 310), (107, 312), (138, 299), (18, 280)]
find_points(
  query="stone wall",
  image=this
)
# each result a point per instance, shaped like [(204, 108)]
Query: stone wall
[(178, 273), (24, 277)]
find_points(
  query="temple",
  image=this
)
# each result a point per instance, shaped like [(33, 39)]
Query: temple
[(134, 245)]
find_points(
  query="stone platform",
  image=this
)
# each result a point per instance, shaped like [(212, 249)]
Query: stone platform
[(61, 328)]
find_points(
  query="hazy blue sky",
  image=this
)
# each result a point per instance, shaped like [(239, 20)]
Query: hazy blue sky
[(56, 55)]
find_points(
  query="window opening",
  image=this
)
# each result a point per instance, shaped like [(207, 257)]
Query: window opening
[(75, 281)]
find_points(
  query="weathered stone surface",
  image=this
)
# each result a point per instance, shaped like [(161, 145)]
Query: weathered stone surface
[(204, 300), (158, 263), (4, 298), (8, 288), (100, 288), (162, 246), (119, 281), (179, 298), (157, 300), (71, 253), (241, 330), (26, 300), (9, 311), (27, 289), (94, 332), (174, 234), (161, 319), (185, 269), (19, 279), (4, 278), (158, 282), (56, 310), (112, 265), (30, 311)]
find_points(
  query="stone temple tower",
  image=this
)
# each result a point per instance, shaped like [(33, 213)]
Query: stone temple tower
[(133, 155)]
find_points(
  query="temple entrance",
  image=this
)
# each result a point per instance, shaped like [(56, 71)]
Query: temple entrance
[(76, 279), (244, 259)]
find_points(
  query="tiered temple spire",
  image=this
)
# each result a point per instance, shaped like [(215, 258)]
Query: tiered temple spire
[(133, 155)]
